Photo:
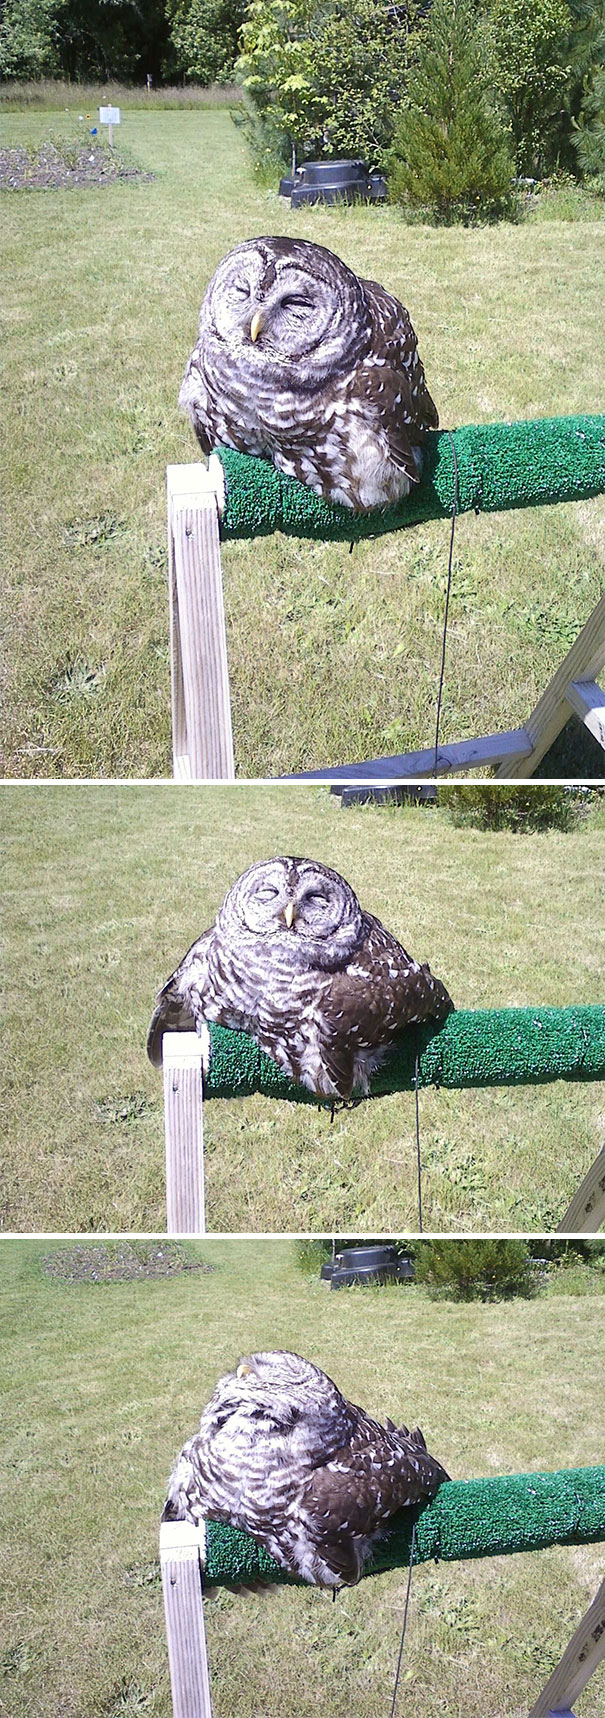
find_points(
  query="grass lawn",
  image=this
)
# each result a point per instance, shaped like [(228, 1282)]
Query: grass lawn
[(104, 1382), (331, 658), (106, 887)]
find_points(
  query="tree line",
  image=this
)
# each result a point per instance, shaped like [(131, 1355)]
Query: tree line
[(455, 99)]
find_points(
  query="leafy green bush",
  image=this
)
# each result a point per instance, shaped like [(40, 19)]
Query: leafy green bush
[(205, 38), (476, 1270), (515, 808), (321, 78), (451, 157)]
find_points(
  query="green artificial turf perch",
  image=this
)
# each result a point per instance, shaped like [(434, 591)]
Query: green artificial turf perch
[(468, 1518), (472, 1047), (499, 466)]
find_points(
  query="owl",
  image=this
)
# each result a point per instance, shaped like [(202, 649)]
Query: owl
[(300, 361), (281, 1454), (318, 983)]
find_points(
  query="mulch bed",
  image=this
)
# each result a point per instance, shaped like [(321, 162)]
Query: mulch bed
[(55, 166), (119, 1261)]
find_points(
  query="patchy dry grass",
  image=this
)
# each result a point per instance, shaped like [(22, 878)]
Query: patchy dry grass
[(60, 95), (103, 1382), (106, 887), (331, 657)]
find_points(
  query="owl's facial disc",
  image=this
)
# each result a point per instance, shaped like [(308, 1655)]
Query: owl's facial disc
[(294, 903)]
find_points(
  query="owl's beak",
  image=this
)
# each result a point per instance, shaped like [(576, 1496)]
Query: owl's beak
[(290, 913), (256, 325), (244, 1371)]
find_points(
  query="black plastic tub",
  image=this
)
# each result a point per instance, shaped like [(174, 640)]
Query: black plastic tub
[(377, 1264), (333, 182)]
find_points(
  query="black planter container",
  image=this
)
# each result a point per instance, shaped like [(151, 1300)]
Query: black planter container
[(377, 1264), (333, 182)]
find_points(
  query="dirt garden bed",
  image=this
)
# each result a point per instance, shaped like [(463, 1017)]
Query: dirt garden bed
[(54, 166), (119, 1261)]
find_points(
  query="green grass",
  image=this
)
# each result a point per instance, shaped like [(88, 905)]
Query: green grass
[(106, 887), (332, 657), (104, 1384)]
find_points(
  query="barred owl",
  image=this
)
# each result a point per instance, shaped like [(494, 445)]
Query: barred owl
[(293, 960), (300, 361), (281, 1454)]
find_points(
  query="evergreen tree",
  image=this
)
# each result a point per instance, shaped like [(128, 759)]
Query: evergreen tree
[(585, 101), (451, 157)]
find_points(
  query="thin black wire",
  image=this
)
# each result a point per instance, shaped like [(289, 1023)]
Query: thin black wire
[(418, 1157), (447, 602), (404, 1624)]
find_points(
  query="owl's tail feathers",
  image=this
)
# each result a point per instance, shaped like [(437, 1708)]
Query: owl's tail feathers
[(441, 1000), (435, 1474), (170, 1014)]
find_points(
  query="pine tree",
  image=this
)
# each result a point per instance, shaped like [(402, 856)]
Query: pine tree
[(451, 157)]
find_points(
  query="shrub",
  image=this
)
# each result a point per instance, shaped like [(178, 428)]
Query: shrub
[(529, 49), (451, 157), (321, 78), (515, 808), (476, 1270)]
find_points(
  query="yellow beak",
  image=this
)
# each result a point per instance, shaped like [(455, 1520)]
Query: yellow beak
[(244, 1371), (290, 914), (256, 325)]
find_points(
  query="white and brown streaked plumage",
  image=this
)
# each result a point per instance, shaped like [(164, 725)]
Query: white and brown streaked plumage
[(283, 1455), (293, 960), (302, 362)]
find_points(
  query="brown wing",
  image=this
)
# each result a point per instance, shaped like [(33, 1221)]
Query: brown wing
[(398, 343), (383, 989), (177, 1007), (364, 1484)]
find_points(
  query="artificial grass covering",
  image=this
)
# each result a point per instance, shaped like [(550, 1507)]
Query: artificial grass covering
[(499, 466), (468, 1518), (472, 1047)]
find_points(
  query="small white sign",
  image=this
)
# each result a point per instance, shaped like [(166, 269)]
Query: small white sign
[(109, 116)]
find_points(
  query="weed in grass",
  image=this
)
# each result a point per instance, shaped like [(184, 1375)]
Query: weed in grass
[(78, 680), (128, 1108), (127, 1699)]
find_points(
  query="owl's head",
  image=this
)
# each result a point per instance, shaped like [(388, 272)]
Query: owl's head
[(298, 905), (277, 303), (279, 1390)]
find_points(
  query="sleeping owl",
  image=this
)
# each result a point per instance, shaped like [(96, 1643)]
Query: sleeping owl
[(318, 983), (302, 362), (283, 1455)]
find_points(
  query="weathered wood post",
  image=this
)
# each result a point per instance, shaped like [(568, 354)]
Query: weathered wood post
[(182, 1066), (586, 1213), (202, 739), (578, 1664), (181, 1563)]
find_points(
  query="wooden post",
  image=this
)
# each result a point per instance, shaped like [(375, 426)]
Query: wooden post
[(202, 738), (586, 1213), (181, 1563), (579, 1661), (182, 1054), (570, 689)]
